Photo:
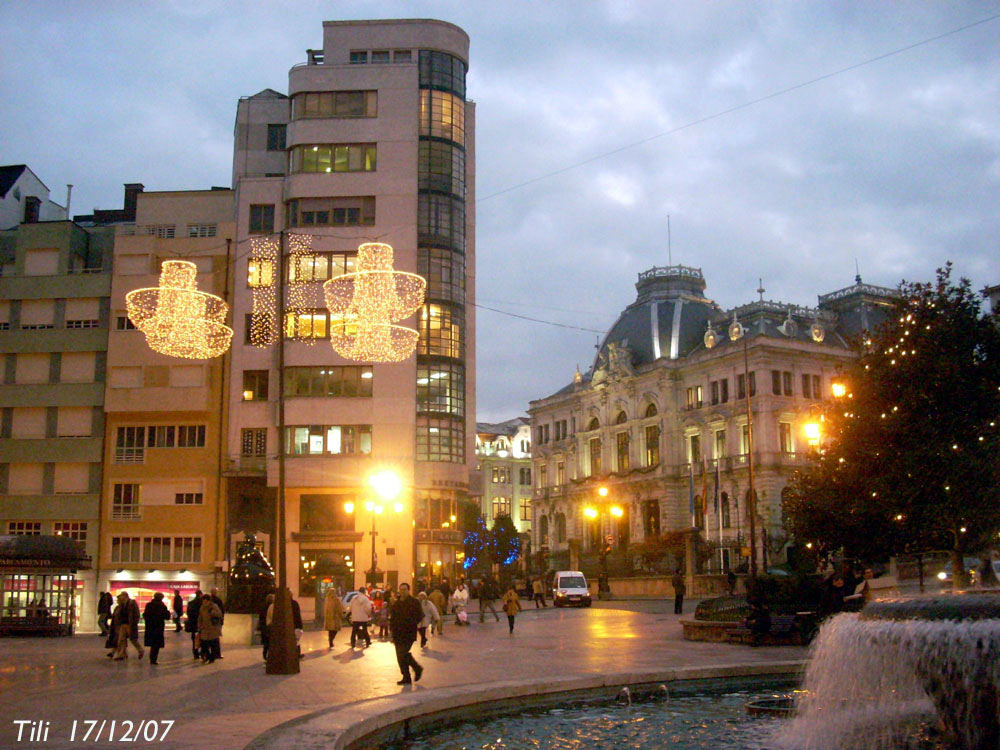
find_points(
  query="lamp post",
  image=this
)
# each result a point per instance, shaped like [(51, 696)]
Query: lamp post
[(593, 514), (387, 487)]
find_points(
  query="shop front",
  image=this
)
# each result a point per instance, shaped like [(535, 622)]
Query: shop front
[(39, 590)]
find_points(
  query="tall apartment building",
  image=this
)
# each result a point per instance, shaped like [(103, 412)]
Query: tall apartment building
[(374, 140), (660, 420), (54, 315), (162, 516)]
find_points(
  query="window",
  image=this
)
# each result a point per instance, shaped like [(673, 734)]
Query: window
[(320, 266), (307, 323), (621, 450), (253, 441), (652, 445), (126, 549), (202, 230), (441, 166), (785, 437), (715, 392), (501, 506), (129, 445), (349, 211), (440, 439), (401, 56), (560, 473), (786, 383), (741, 388), (524, 476), (260, 273), (335, 104), (500, 475), (441, 388), (330, 440), (189, 498), (82, 323), (724, 390), (525, 506), (724, 509), (162, 436), (24, 528), (694, 397), (191, 436), (444, 270), (440, 331), (441, 220), (805, 386), (776, 382), (187, 549), (255, 385), (75, 530), (817, 393), (124, 323), (380, 56), (593, 425), (699, 512), (560, 528), (651, 410), (125, 503), (543, 475), (334, 157), (594, 450), (744, 439), (350, 381), (442, 115), (262, 218), (276, 137), (720, 444), (359, 57), (156, 549), (694, 448)]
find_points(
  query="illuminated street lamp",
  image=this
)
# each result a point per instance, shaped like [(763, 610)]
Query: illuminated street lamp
[(838, 389), (387, 486), (813, 433)]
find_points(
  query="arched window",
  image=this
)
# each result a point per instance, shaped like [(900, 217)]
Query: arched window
[(651, 410), (699, 512), (651, 518), (593, 424), (560, 528), (543, 529), (724, 505), (622, 418)]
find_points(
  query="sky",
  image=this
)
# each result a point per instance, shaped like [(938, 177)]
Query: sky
[(789, 142)]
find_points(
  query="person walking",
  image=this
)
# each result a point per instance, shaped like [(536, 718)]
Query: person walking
[(333, 614), (511, 605), (487, 595), (360, 608), (297, 625), (217, 601), (209, 628), (680, 588), (381, 606), (440, 602), (155, 616), (264, 624), (191, 624), (404, 619), (178, 607), (105, 603), (538, 589), (126, 617), (459, 603), (431, 616)]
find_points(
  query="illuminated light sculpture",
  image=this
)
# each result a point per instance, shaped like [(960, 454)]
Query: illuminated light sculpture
[(178, 320), (710, 338), (736, 329), (366, 304), (301, 273), (264, 310)]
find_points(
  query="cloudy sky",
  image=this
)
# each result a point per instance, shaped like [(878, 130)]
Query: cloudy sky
[(596, 120)]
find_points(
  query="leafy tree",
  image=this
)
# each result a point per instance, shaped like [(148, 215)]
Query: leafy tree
[(909, 462)]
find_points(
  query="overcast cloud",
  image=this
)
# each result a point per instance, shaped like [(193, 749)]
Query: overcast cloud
[(895, 164)]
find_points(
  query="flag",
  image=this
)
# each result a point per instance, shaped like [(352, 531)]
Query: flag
[(691, 490), (716, 501)]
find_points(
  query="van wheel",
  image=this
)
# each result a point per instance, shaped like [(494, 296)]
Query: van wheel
[(587, 604)]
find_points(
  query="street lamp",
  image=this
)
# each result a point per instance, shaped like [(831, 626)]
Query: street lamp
[(387, 487), (838, 389), (813, 433)]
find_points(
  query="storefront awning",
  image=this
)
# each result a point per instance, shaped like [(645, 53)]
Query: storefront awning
[(41, 553)]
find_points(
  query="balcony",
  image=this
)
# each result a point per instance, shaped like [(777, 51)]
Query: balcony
[(236, 466)]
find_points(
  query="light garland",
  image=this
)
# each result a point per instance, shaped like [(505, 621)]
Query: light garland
[(301, 273), (176, 318), (366, 304), (264, 309)]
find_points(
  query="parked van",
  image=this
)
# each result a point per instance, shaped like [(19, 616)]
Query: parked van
[(569, 588)]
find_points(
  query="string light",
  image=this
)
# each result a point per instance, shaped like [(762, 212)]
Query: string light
[(301, 273), (264, 305), (366, 304), (176, 318)]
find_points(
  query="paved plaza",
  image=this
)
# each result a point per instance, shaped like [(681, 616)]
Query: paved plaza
[(231, 702)]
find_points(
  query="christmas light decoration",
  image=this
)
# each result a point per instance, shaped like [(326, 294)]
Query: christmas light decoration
[(710, 337), (736, 329), (264, 310), (301, 275), (365, 305), (178, 320)]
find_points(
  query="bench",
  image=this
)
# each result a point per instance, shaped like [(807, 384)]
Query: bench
[(797, 629), (32, 626)]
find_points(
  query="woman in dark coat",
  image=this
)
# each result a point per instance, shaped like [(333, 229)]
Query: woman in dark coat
[(156, 615)]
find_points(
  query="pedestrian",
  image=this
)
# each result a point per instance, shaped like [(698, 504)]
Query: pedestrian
[(191, 624), (440, 602), (445, 589), (333, 614), (459, 602), (105, 603), (382, 609), (431, 616), (538, 589), (126, 618), (155, 616), (264, 624), (217, 601), (731, 583), (209, 628), (487, 595), (404, 620), (680, 588), (511, 605), (360, 608), (178, 606), (297, 625)]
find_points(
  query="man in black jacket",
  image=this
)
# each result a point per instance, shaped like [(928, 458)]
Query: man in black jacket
[(191, 626), (405, 615)]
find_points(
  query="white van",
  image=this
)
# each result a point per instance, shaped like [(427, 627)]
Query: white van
[(569, 588)]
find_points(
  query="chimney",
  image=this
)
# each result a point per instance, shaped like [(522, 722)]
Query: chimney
[(69, 194), (132, 190)]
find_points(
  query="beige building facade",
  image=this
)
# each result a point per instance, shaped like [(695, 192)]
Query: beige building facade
[(503, 472)]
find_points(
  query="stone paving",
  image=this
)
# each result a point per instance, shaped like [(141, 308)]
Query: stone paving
[(229, 703)]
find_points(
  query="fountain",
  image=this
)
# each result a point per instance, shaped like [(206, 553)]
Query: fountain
[(900, 669)]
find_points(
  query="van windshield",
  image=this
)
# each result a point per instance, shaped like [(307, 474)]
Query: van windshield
[(572, 582)]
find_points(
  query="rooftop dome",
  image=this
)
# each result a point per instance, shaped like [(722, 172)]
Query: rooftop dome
[(668, 318)]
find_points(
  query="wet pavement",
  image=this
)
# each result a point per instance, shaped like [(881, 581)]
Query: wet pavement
[(227, 704)]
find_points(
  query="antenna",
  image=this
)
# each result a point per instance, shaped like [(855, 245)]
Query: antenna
[(670, 249), (760, 288), (857, 272)]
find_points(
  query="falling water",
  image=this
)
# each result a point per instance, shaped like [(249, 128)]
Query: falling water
[(871, 683)]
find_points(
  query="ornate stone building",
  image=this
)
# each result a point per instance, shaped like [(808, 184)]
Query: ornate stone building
[(655, 437)]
